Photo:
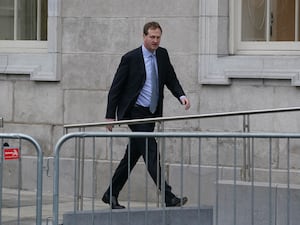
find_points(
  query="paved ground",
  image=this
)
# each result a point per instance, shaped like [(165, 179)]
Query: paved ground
[(27, 209)]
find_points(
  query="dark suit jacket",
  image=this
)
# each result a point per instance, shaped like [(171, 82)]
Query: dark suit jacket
[(129, 81)]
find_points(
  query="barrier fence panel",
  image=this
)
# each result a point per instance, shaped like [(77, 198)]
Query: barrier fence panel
[(12, 147), (271, 196)]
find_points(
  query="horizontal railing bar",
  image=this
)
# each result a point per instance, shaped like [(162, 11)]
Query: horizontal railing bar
[(186, 117), (181, 134)]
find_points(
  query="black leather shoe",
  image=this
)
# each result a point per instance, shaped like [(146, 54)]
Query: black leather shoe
[(176, 202), (114, 202)]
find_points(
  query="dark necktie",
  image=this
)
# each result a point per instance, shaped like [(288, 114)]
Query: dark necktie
[(154, 80)]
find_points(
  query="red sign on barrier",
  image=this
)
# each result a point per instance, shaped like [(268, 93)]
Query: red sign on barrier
[(11, 153)]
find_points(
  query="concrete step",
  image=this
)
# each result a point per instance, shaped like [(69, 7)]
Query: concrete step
[(136, 216), (283, 206)]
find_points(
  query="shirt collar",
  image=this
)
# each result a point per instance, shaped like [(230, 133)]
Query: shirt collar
[(146, 52)]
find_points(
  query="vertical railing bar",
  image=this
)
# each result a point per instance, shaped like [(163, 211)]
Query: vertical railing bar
[(234, 182), (94, 182), (199, 178), (252, 182), (217, 182), (1, 178), (248, 148), (288, 182), (270, 181), (129, 182), (163, 180), (276, 204), (77, 174), (19, 180), (76, 169), (159, 129), (81, 177), (110, 175), (39, 194), (82, 170), (245, 124), (56, 186), (160, 144), (146, 175), (181, 171)]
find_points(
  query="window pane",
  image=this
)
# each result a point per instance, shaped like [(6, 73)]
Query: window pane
[(282, 20), (26, 25), (44, 19), (20, 22), (7, 19), (254, 20)]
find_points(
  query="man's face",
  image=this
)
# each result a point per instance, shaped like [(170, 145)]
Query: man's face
[(152, 39)]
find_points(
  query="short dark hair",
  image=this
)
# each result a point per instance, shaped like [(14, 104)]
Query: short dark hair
[(151, 25)]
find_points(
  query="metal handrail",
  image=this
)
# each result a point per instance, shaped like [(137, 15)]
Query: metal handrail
[(188, 117)]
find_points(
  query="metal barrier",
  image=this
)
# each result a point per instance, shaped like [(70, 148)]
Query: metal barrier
[(15, 153), (246, 125), (271, 199)]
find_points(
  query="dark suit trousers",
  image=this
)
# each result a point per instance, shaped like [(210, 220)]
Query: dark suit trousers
[(137, 148)]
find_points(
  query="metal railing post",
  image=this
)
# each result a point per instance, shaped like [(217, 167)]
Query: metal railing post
[(246, 149)]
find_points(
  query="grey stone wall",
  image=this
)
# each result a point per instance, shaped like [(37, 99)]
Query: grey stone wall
[(94, 36)]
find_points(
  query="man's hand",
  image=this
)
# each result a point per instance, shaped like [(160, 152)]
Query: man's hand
[(109, 127), (186, 102)]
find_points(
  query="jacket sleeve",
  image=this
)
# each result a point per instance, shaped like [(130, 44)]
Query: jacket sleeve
[(172, 81), (116, 89)]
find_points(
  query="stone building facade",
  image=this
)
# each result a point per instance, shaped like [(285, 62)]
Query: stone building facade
[(41, 92)]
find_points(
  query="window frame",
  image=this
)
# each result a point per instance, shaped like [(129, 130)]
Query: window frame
[(237, 46), (218, 61), (40, 59)]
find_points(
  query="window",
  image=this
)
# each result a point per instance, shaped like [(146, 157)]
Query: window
[(23, 19), (250, 39), (30, 38), (265, 25)]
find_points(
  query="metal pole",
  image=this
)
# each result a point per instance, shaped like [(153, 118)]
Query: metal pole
[(1, 178), (246, 151), (82, 170), (94, 182), (270, 181), (234, 183), (288, 183), (19, 182), (217, 181)]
